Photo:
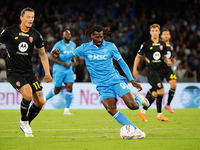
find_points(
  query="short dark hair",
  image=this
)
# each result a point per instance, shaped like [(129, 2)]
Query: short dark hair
[(26, 9), (165, 29), (97, 28)]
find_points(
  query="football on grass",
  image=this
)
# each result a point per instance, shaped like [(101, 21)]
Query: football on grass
[(127, 132)]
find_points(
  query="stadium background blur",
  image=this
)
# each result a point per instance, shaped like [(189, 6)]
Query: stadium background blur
[(129, 21)]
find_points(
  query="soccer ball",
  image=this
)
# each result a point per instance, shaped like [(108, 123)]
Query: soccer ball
[(127, 132)]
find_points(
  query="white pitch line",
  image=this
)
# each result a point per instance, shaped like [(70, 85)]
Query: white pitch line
[(105, 136), (102, 129)]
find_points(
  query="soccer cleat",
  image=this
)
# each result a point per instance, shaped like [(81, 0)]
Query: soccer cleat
[(145, 101), (67, 112), (169, 108), (139, 134), (162, 118), (142, 116), (24, 126)]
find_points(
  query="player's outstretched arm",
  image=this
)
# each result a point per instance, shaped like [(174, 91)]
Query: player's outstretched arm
[(136, 62), (136, 85), (45, 64)]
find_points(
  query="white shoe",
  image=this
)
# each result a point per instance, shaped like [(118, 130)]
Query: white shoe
[(139, 134), (24, 126), (145, 101), (67, 112)]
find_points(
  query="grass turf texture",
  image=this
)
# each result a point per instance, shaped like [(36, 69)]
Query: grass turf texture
[(97, 130)]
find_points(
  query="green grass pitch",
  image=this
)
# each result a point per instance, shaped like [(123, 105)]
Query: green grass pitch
[(97, 130)]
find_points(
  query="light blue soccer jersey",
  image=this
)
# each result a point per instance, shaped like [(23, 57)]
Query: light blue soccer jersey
[(64, 49), (99, 62)]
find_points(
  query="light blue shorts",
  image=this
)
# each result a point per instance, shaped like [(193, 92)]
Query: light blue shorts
[(62, 77), (110, 91)]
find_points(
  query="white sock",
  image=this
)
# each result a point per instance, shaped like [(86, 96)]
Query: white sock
[(143, 111), (158, 114), (66, 109)]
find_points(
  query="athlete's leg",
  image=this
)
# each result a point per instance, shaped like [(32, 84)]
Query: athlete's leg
[(68, 98), (36, 106), (171, 91), (53, 92), (110, 106), (170, 95)]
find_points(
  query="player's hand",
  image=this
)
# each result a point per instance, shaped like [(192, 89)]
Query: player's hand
[(55, 53), (169, 63), (48, 78), (173, 60), (74, 64), (136, 85), (135, 74), (64, 64)]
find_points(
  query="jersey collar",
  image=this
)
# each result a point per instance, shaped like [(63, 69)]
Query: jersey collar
[(22, 30)]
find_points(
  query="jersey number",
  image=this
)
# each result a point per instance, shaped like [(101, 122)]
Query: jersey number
[(36, 84), (172, 76)]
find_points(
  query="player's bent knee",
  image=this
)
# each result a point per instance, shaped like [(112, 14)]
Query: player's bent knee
[(133, 106)]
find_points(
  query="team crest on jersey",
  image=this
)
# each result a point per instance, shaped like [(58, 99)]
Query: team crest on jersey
[(105, 50), (31, 39), (161, 47), (18, 83), (16, 37), (151, 48), (159, 85)]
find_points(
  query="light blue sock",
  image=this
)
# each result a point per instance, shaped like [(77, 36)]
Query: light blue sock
[(68, 99), (139, 101), (122, 119), (50, 94)]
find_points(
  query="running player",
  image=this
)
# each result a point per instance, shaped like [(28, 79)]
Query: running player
[(167, 72), (98, 55), (62, 70), (20, 41), (154, 50)]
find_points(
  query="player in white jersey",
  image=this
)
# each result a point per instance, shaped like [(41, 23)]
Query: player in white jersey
[(98, 55), (62, 70)]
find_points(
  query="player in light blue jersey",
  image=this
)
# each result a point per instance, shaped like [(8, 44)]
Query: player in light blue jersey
[(98, 55), (62, 70)]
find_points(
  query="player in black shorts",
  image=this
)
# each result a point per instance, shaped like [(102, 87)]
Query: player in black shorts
[(167, 72), (155, 51), (20, 41)]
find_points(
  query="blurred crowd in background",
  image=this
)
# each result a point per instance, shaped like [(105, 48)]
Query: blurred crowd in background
[(129, 21)]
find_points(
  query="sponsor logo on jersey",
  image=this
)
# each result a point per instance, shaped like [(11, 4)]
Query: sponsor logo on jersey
[(16, 37), (23, 46), (97, 57), (156, 55), (18, 83), (23, 34), (155, 44), (31, 39), (151, 48)]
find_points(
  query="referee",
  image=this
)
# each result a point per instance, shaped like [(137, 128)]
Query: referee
[(20, 40)]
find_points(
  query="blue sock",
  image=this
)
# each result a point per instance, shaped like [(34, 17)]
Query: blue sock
[(122, 119), (68, 99), (139, 101), (50, 94)]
